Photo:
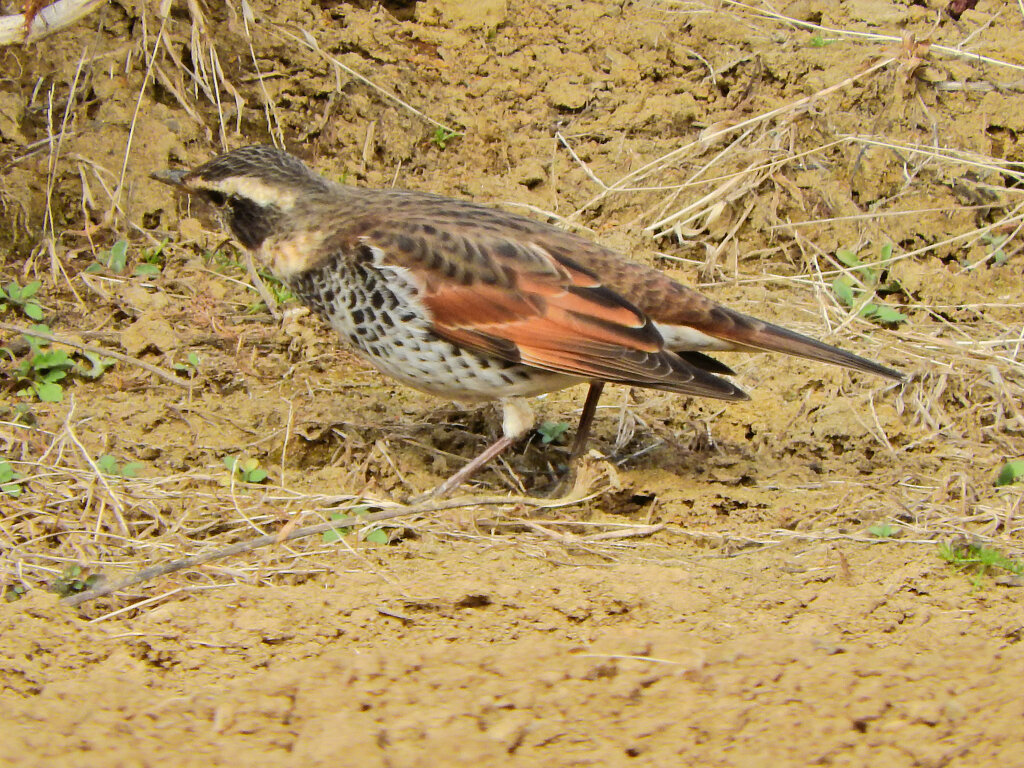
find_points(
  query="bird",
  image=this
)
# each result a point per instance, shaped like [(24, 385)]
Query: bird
[(476, 304)]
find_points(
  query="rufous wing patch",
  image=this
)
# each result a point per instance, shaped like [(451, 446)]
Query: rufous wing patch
[(549, 323)]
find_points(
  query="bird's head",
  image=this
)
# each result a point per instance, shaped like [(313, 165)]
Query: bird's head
[(254, 188)]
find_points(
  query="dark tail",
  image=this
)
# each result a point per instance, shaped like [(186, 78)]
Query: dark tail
[(757, 334)]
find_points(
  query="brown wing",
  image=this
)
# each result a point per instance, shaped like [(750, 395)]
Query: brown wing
[(508, 297)]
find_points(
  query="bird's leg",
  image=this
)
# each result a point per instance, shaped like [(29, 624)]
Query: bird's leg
[(564, 484), (579, 444), (517, 420)]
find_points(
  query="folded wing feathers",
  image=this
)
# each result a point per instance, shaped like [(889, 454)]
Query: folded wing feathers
[(571, 325)]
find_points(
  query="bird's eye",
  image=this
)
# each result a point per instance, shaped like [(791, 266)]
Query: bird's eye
[(217, 198)]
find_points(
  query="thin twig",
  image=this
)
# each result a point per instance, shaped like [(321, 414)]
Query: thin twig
[(155, 571), (118, 505), (119, 189)]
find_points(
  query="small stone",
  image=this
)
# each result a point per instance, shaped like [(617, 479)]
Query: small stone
[(563, 93), (473, 14), (530, 173), (149, 331)]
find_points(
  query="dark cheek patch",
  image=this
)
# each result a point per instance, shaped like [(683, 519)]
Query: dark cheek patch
[(251, 223)]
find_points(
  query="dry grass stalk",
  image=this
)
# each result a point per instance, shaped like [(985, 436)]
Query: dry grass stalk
[(966, 372), (21, 28)]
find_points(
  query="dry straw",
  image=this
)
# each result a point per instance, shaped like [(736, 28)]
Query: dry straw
[(180, 529)]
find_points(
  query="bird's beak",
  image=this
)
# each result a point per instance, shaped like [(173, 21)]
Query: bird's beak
[(172, 177)]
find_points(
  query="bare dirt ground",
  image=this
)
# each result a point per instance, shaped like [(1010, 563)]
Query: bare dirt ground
[(757, 584)]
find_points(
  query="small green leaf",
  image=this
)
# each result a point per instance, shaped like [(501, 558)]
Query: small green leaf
[(30, 290), (93, 268), (55, 358), (107, 464), (15, 592), (843, 290), (193, 359), (49, 392), (33, 310), (155, 255), (551, 431), (35, 342), (377, 536), (882, 531), (883, 313), (885, 253), (978, 558), (144, 270), (442, 136), (97, 365), (868, 310), (335, 534), (848, 257), (117, 256), (246, 469), (131, 469), (1012, 472)]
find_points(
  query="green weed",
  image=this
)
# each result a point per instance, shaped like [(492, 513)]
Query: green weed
[(18, 413), (883, 531), (20, 297), (14, 592), (190, 367), (10, 480), (152, 260), (552, 431), (282, 293), (442, 136), (109, 465), (855, 297), (223, 263), (997, 254), (245, 469), (115, 260), (1012, 472), (97, 365), (41, 372), (70, 582), (376, 536), (977, 561)]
